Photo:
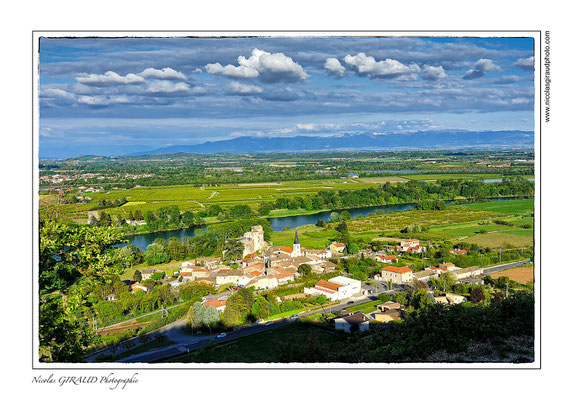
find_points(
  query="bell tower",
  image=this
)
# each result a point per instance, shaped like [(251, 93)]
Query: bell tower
[(296, 245)]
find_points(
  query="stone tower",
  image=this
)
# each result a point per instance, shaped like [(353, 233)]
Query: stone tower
[(296, 245)]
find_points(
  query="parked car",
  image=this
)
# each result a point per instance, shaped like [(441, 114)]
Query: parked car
[(351, 302), (295, 316), (260, 321), (270, 323), (221, 335)]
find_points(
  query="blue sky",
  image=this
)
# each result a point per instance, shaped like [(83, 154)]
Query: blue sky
[(113, 96)]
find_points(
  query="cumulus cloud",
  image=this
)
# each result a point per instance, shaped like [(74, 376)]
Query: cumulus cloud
[(109, 78), (267, 67), (334, 68), (230, 71), (243, 89), (389, 68), (480, 67), (162, 87), (165, 73), (57, 93), (525, 64), (431, 73)]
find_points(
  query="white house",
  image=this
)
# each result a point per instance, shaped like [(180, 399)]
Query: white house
[(336, 288), (358, 319)]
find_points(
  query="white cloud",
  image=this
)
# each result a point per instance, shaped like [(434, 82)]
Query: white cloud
[(109, 78), (94, 100), (389, 68), (334, 68), (433, 73), (268, 67), (480, 67), (231, 71), (486, 65), (165, 73), (243, 89), (167, 87), (525, 64), (306, 127), (54, 92)]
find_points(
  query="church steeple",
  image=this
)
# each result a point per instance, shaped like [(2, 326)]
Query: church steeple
[(296, 245)]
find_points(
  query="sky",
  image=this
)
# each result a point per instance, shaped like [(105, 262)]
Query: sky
[(116, 96)]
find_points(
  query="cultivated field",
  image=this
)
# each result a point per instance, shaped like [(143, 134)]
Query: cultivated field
[(521, 275), (500, 239), (522, 206), (383, 179)]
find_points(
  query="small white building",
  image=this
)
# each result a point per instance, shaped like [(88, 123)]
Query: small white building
[(337, 288), (358, 319)]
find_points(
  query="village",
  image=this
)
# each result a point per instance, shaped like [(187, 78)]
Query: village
[(263, 268)]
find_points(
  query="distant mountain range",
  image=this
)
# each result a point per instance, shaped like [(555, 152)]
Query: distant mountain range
[(429, 140)]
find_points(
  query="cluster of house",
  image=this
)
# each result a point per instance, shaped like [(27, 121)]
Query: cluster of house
[(392, 254), (388, 311), (262, 266), (401, 275)]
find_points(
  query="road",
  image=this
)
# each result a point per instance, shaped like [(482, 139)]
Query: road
[(489, 270), (185, 343)]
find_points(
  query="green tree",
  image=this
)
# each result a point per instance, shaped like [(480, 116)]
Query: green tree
[(477, 295), (188, 219), (304, 269), (136, 276), (63, 337), (199, 311), (233, 250), (353, 248), (72, 259)]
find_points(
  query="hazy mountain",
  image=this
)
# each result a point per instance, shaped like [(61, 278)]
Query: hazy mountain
[(445, 139)]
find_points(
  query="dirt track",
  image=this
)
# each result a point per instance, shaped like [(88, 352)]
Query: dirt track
[(119, 329)]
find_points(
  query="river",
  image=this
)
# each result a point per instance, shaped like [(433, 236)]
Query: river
[(280, 223)]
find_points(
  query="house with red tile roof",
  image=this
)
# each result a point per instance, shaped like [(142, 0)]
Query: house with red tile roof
[(397, 275), (220, 305), (449, 266), (337, 248), (387, 259)]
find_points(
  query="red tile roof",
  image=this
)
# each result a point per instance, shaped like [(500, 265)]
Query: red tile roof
[(215, 303), (287, 249), (328, 285), (400, 270)]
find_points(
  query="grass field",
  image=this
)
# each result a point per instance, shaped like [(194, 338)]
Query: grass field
[(261, 347), (310, 236), (522, 206), (521, 275), (383, 179), (399, 220), (366, 307), (453, 223), (503, 239), (168, 268), (495, 234), (436, 177)]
